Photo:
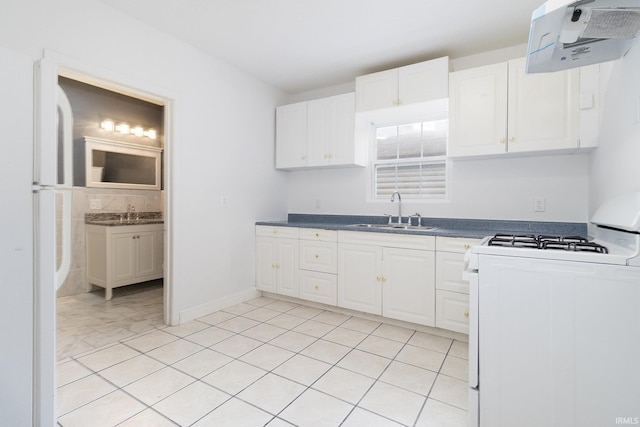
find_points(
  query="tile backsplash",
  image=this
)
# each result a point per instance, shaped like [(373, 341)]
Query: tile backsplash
[(87, 200)]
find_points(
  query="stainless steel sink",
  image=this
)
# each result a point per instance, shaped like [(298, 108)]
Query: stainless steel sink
[(394, 226)]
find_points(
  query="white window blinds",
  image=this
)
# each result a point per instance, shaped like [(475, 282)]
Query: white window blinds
[(411, 159)]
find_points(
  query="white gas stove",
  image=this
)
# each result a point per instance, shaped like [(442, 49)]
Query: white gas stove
[(554, 325)]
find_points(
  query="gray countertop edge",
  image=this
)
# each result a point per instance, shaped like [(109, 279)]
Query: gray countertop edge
[(446, 227)]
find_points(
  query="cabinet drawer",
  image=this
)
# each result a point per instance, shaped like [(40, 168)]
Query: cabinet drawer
[(319, 256), (455, 244), (274, 231), (389, 240), (449, 269), (318, 234), (452, 311), (318, 287)]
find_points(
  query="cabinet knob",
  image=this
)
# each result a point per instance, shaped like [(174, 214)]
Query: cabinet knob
[(317, 287), (466, 314), (378, 278), (317, 234), (467, 246), (512, 138), (503, 140), (317, 256)]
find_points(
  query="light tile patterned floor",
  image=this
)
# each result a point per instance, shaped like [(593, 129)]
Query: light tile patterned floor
[(267, 362)]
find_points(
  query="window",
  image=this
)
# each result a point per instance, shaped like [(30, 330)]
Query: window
[(411, 159)]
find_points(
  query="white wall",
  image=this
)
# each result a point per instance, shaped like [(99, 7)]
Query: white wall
[(223, 133), (484, 189), (615, 164)]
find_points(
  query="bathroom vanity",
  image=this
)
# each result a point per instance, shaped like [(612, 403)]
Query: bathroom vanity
[(121, 253)]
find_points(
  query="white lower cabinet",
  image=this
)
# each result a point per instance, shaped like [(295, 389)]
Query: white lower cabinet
[(388, 275), (319, 265), (123, 255), (411, 278), (277, 260), (452, 290)]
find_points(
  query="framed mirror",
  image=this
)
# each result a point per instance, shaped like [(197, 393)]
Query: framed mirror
[(112, 164)]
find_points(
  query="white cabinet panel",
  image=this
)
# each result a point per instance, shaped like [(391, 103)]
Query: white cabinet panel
[(499, 109), (452, 311), (318, 287), (408, 290), (318, 133), (411, 84), (360, 277), (277, 265), (291, 135), (449, 269), (319, 256)]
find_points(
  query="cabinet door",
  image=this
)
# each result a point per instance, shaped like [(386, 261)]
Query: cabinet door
[(265, 264), (149, 253), (408, 290), (287, 267), (123, 247), (424, 81), (360, 277), (543, 109), (340, 147), (377, 90), (318, 131), (478, 111), (291, 135)]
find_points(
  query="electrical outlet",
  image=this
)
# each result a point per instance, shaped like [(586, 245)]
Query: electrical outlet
[(95, 204), (318, 204), (223, 201), (538, 204)]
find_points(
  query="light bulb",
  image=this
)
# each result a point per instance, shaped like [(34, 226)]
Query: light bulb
[(137, 131), (107, 125), (122, 128)]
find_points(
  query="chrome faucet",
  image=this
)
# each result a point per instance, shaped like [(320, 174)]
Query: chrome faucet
[(393, 196), (130, 210)]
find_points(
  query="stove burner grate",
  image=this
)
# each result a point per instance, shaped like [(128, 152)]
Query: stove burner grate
[(566, 243)]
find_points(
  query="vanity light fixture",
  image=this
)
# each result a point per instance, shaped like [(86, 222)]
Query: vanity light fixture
[(124, 128)]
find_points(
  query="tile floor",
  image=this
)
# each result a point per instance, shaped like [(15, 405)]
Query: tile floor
[(264, 362)]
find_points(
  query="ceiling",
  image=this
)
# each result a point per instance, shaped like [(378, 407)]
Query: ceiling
[(301, 45)]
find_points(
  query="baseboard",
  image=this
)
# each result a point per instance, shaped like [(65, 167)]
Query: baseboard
[(193, 313)]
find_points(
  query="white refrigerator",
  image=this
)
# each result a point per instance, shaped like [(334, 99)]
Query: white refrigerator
[(35, 175)]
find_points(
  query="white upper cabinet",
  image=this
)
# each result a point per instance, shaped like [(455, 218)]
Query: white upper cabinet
[(499, 109), (291, 136), (330, 123), (425, 81), (318, 133)]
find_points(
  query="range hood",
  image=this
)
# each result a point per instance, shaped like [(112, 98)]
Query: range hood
[(567, 34)]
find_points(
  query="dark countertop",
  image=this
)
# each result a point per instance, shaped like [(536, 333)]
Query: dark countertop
[(449, 227), (116, 219)]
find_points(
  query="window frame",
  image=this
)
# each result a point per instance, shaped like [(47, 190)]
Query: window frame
[(374, 163)]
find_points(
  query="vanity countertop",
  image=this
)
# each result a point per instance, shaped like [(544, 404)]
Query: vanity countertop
[(116, 219)]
